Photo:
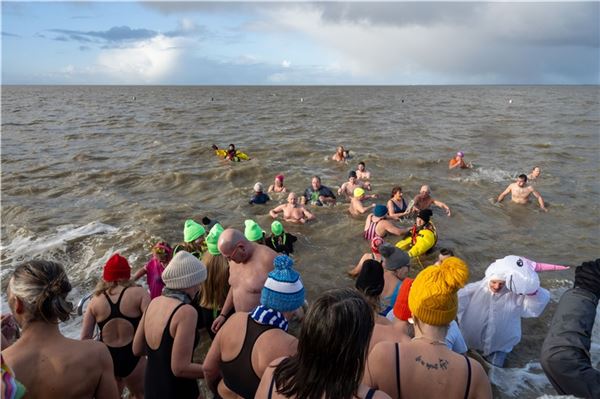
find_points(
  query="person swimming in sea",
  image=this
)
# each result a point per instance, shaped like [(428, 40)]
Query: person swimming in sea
[(459, 162), (341, 154)]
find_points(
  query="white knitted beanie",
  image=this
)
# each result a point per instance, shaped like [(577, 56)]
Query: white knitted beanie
[(184, 271)]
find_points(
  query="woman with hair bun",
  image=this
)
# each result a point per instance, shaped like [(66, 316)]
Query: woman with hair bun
[(43, 360)]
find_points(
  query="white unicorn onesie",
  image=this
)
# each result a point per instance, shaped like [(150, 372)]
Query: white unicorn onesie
[(490, 312)]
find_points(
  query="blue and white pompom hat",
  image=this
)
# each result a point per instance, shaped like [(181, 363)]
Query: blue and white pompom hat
[(283, 290)]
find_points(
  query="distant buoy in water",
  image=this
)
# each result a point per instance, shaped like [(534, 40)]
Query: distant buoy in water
[(301, 99), (402, 101), (510, 101), (133, 98), (212, 99)]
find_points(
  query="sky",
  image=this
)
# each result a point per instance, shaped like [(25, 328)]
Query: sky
[(300, 43)]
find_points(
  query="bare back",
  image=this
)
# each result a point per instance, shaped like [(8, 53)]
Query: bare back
[(119, 332), (247, 279), (420, 364), (51, 365), (269, 346)]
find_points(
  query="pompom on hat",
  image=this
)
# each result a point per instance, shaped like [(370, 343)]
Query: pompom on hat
[(433, 298), (277, 228), (252, 232), (184, 271), (283, 289), (358, 192), (380, 211), (192, 230), (116, 268), (370, 279), (213, 238), (394, 258)]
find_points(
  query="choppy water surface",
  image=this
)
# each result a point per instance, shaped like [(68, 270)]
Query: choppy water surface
[(87, 171)]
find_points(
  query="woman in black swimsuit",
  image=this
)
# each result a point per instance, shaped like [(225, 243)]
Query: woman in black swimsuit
[(332, 350), (117, 307)]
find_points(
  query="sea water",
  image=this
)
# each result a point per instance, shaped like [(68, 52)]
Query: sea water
[(90, 170)]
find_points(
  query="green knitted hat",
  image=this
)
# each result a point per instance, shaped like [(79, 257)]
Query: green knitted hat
[(277, 228), (253, 232), (192, 231), (212, 238)]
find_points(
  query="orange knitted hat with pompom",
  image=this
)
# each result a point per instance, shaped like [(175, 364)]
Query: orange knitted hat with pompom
[(433, 298)]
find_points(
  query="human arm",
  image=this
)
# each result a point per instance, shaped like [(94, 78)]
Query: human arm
[(222, 317), (88, 323), (107, 384), (565, 353), (271, 188), (265, 382), (307, 214), (566, 349), (139, 339), (504, 193), (211, 364), (145, 300), (443, 206), (342, 188), (534, 304), (540, 200), (184, 326), (355, 271), (273, 212), (397, 231), (326, 196), (139, 274), (452, 164)]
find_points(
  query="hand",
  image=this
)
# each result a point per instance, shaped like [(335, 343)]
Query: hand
[(219, 321), (587, 277), (10, 330)]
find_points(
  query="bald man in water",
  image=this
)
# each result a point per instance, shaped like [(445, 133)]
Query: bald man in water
[(249, 265), (423, 200)]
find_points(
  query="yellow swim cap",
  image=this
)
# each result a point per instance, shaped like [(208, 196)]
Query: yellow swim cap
[(358, 192)]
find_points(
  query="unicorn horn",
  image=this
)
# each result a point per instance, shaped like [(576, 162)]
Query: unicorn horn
[(543, 267)]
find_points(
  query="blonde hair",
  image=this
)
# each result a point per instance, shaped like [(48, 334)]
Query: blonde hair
[(104, 286), (215, 288), (43, 287)]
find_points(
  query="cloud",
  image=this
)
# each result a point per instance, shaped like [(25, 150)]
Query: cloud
[(286, 64), (148, 61), (114, 34), (475, 43), (7, 34)]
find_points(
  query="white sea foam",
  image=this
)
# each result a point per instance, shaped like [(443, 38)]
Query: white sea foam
[(482, 174), (28, 245)]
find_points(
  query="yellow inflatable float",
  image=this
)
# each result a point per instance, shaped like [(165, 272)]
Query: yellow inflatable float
[(232, 154), (422, 238)]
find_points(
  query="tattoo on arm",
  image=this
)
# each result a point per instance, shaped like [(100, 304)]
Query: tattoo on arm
[(442, 364)]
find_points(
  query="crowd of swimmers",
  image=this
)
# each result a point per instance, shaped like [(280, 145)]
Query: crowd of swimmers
[(390, 336)]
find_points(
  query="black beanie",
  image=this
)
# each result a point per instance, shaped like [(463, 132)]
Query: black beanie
[(370, 280), (425, 214)]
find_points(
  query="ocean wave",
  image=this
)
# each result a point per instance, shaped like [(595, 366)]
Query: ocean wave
[(25, 244)]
